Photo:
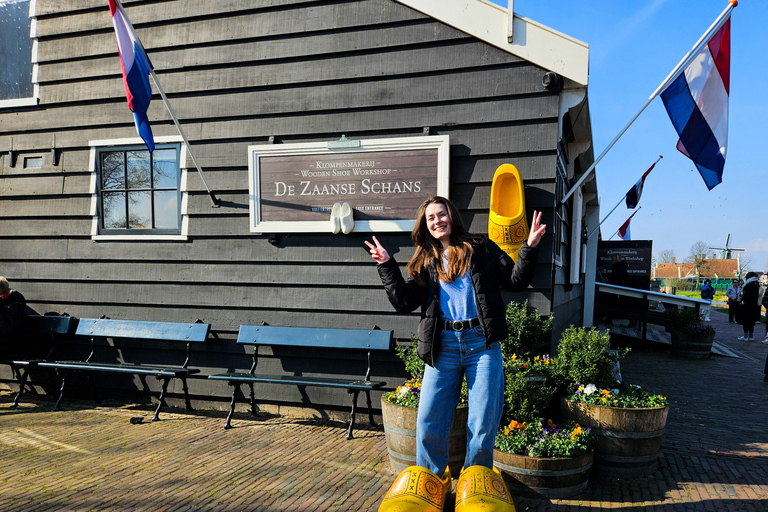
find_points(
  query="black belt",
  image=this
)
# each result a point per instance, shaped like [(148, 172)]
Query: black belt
[(460, 325)]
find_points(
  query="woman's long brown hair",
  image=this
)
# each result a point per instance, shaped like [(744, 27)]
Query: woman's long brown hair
[(429, 249)]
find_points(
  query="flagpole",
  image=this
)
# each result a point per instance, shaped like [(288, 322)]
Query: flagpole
[(617, 205), (630, 218), (671, 77), (214, 200)]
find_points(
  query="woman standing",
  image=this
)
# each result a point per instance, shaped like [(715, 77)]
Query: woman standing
[(750, 306), (733, 293), (455, 278)]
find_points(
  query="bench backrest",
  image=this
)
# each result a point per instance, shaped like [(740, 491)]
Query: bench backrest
[(364, 339), (169, 331), (38, 324)]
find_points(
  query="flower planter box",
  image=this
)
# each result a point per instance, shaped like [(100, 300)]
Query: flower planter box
[(629, 440), (400, 433), (691, 347), (547, 477)]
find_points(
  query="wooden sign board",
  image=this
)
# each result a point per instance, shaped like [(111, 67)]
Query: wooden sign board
[(293, 186)]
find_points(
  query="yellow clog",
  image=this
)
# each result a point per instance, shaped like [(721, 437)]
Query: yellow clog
[(481, 489), (417, 489), (507, 225)]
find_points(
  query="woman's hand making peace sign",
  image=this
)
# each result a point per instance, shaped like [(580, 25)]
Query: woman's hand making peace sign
[(378, 252), (537, 230)]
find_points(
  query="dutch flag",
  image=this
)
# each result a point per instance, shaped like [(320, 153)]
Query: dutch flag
[(697, 104), (633, 196), (136, 67)]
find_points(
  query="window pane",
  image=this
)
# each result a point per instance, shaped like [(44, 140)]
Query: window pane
[(114, 210), (15, 51), (167, 210), (138, 169), (165, 168), (139, 210), (112, 170)]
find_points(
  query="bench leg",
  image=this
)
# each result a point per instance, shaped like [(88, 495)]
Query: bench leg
[(253, 399), (228, 423), (61, 392), (21, 374), (161, 401), (370, 409), (186, 393), (354, 409)]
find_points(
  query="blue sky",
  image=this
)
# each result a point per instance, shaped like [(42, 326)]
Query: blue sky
[(633, 47)]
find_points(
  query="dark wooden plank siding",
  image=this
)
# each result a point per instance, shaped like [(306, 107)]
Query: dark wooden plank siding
[(238, 72)]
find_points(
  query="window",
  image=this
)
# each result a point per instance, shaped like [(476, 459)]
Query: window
[(138, 192), (15, 52)]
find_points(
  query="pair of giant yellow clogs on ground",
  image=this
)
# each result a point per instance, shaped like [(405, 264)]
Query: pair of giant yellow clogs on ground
[(417, 489)]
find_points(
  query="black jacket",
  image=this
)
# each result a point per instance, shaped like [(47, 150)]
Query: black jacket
[(13, 314), (750, 307), (489, 268)]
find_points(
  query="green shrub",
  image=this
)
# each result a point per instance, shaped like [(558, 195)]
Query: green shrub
[(686, 320), (410, 356), (525, 399), (530, 334), (584, 356), (524, 352)]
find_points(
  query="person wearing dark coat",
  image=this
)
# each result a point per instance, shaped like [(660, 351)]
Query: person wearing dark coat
[(707, 294), (13, 313), (750, 306), (455, 279)]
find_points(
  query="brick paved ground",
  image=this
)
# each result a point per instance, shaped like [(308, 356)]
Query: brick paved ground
[(714, 454)]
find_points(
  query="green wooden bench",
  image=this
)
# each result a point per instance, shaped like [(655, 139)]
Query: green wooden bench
[(37, 326), (99, 329), (303, 338)]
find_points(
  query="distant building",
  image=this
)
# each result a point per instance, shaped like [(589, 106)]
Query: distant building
[(720, 271)]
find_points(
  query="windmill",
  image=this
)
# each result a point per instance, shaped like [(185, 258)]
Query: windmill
[(727, 250)]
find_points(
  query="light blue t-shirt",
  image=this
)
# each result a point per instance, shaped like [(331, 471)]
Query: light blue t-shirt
[(457, 299)]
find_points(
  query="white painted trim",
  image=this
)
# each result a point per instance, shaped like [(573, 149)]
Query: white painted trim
[(21, 102), (137, 238), (533, 41), (576, 223), (133, 141), (35, 99), (439, 142)]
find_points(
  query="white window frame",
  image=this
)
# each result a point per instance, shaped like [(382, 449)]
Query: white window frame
[(183, 189), (35, 98)]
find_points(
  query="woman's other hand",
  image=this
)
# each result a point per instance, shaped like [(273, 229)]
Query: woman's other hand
[(378, 252), (537, 230)]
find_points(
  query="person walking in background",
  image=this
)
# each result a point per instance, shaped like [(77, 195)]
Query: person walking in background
[(13, 313), (707, 294), (750, 306), (455, 279), (732, 293), (764, 304)]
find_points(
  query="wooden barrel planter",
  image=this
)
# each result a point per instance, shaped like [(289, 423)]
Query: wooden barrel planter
[(629, 440), (400, 433), (544, 477), (691, 347)]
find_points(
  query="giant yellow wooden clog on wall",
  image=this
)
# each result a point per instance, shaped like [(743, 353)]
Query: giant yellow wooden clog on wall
[(507, 224)]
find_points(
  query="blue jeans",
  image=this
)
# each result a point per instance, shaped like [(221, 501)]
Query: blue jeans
[(462, 353)]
